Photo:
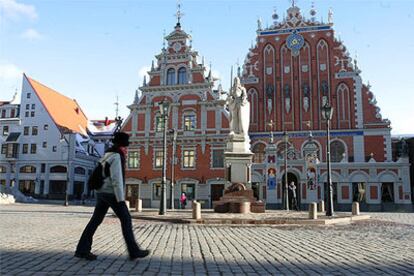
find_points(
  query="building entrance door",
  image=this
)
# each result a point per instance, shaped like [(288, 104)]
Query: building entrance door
[(132, 194), (216, 191), (291, 177)]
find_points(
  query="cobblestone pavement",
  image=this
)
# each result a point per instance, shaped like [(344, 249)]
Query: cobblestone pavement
[(40, 240)]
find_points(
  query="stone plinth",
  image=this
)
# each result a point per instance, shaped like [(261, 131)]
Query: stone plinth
[(234, 201)]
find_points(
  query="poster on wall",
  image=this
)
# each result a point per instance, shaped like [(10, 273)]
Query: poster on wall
[(271, 179)]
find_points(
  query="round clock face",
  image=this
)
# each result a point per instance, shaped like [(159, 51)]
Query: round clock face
[(177, 46), (295, 42)]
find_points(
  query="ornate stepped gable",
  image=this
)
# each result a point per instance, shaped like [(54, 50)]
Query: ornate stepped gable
[(295, 67)]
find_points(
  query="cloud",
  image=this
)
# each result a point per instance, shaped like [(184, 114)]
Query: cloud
[(31, 34), (10, 79), (9, 72), (14, 10)]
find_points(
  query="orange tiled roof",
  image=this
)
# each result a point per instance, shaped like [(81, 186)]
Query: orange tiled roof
[(64, 111)]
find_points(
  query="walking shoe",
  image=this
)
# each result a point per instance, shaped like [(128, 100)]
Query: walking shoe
[(139, 254), (87, 256)]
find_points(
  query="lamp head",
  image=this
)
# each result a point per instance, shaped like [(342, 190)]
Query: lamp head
[(164, 107)]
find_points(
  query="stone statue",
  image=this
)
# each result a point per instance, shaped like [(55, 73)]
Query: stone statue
[(404, 148), (239, 108)]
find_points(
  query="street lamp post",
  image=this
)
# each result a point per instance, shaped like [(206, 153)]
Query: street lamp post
[(174, 140), (164, 109), (327, 111), (286, 194)]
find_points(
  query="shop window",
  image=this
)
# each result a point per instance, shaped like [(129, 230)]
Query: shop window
[(189, 190)]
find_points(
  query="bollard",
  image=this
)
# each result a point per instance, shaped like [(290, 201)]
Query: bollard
[(313, 214), (138, 206), (355, 208), (245, 207), (196, 210), (321, 206)]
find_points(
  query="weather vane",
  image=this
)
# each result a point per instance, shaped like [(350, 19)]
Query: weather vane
[(178, 14)]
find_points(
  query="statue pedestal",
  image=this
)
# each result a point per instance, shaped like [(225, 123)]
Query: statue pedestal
[(238, 167)]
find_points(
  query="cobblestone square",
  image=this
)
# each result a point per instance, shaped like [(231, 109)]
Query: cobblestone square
[(40, 239)]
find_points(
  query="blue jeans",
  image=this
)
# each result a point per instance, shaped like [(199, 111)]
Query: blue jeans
[(103, 202)]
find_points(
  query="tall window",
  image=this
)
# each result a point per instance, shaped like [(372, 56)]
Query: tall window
[(158, 156), (5, 130), (3, 113), (337, 151), (156, 192), (33, 148), (190, 122), (159, 123), (218, 158), (170, 76), (25, 148), (34, 130), (182, 75), (188, 158), (259, 153), (26, 130), (133, 159)]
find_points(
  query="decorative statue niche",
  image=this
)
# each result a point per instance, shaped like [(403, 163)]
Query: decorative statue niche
[(324, 90), (286, 90), (306, 96)]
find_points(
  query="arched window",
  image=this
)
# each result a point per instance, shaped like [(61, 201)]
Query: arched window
[(28, 169), (182, 75), (58, 169), (253, 105), (80, 170), (171, 76), (337, 151), (259, 153)]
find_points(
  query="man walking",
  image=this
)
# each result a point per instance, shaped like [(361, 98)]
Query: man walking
[(111, 194)]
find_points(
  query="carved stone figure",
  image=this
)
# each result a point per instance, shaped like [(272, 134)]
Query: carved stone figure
[(287, 98), (306, 97), (239, 108)]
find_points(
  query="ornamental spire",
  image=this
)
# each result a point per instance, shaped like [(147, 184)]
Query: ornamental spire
[(178, 14)]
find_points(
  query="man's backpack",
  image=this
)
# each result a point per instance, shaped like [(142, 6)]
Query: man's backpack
[(96, 179)]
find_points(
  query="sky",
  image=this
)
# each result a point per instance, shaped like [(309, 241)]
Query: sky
[(97, 50)]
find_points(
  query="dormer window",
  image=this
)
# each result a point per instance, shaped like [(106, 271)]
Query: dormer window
[(171, 76), (182, 75)]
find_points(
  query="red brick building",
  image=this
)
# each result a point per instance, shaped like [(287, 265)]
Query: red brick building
[(297, 66), (198, 116)]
